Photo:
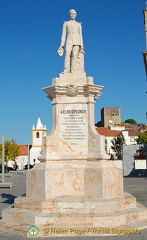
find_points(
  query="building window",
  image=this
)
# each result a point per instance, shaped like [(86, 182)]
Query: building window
[(132, 139), (37, 134)]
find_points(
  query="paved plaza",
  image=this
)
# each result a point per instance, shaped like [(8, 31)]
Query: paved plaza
[(137, 186)]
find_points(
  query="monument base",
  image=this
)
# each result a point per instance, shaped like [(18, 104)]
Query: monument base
[(74, 217), (74, 198), (74, 178), (74, 190)]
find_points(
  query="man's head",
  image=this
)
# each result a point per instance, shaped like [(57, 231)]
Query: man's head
[(72, 14)]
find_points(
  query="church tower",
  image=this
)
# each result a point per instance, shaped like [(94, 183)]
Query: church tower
[(38, 134)]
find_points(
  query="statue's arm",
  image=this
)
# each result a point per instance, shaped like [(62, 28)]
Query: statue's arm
[(82, 46), (63, 37)]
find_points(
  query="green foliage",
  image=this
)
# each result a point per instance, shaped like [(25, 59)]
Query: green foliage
[(142, 138), (11, 150), (130, 121), (117, 144)]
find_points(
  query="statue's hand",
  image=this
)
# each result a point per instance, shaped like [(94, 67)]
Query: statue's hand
[(60, 51)]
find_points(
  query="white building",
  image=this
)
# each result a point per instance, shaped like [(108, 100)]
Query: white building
[(22, 159), (38, 134), (113, 131)]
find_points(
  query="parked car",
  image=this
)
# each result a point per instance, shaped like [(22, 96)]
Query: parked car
[(10, 169), (26, 166), (6, 168)]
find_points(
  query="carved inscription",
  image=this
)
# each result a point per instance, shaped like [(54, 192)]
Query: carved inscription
[(73, 125)]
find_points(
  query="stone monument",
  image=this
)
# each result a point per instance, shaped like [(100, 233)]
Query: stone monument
[(75, 189)]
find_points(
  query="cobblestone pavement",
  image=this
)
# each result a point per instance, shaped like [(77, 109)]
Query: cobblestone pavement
[(136, 186)]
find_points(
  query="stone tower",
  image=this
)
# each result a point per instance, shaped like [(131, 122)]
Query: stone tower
[(110, 116)]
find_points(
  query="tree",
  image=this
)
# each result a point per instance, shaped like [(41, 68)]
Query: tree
[(117, 144), (130, 121), (11, 150), (142, 138)]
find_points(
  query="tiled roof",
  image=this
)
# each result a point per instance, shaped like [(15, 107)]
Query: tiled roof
[(23, 149), (113, 133), (107, 131), (134, 132)]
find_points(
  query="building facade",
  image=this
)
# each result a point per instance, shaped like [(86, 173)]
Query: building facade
[(114, 131), (38, 134)]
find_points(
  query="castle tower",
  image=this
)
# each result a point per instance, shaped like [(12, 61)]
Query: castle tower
[(110, 116), (38, 134)]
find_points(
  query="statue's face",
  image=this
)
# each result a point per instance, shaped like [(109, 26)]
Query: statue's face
[(72, 15)]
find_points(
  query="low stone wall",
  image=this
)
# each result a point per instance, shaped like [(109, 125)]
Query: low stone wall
[(128, 158), (140, 164), (118, 163)]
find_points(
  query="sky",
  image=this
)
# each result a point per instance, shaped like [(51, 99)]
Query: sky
[(30, 33)]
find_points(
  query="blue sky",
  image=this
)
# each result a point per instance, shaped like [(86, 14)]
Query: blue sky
[(30, 32)]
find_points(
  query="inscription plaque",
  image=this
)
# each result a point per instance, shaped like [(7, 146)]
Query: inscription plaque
[(73, 124)]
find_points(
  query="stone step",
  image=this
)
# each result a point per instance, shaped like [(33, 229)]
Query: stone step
[(80, 205), (142, 224), (110, 219), (14, 228), (6, 184), (60, 231), (14, 214), (139, 224)]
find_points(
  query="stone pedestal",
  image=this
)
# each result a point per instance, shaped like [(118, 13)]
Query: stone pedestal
[(75, 188), (76, 178), (73, 134)]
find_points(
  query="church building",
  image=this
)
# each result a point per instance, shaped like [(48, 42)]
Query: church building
[(38, 134)]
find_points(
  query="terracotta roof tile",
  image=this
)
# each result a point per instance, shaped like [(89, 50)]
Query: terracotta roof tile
[(107, 131), (134, 132), (113, 133), (23, 149)]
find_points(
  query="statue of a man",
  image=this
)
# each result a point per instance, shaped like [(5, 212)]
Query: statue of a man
[(74, 56)]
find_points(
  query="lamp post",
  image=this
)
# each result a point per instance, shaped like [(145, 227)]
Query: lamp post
[(3, 157), (28, 157)]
